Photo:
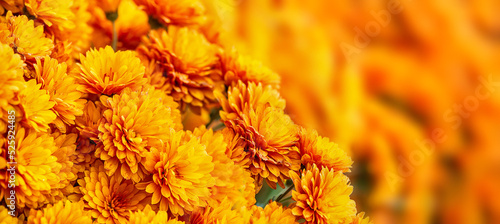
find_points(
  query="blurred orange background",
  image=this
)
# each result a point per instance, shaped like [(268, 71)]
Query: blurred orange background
[(411, 89)]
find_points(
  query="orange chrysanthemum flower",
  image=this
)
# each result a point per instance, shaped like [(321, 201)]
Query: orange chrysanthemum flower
[(183, 63), (3, 166), (322, 196), (63, 91), (265, 136), (232, 181), (52, 12), (181, 174), (133, 122), (5, 217), (14, 6), (62, 212), (360, 219), (148, 216), (73, 40), (237, 68), (37, 167), (107, 72), (87, 126), (220, 214), (273, 213), (66, 147), (108, 5), (245, 97), (131, 25), (88, 123), (320, 151), (27, 40), (175, 12), (110, 199), (11, 82), (84, 157), (36, 107)]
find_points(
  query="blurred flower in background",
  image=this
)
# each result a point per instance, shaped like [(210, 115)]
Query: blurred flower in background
[(410, 88)]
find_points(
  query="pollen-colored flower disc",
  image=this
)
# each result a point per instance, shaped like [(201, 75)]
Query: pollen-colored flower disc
[(107, 72), (322, 196)]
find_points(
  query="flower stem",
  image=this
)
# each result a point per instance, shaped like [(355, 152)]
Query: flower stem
[(115, 37), (285, 193), (113, 16)]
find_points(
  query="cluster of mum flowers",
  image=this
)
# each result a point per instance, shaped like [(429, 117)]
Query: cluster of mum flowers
[(101, 90)]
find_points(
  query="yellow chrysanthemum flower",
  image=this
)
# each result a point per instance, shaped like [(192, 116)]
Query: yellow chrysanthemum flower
[(183, 63), (37, 167), (11, 82), (322, 196), (148, 216), (219, 214), (52, 12), (5, 217), (265, 136), (131, 25), (27, 40), (232, 181), (181, 174), (63, 91), (318, 150), (273, 213), (107, 72), (62, 212), (175, 12), (36, 106), (110, 199), (133, 122), (237, 68)]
